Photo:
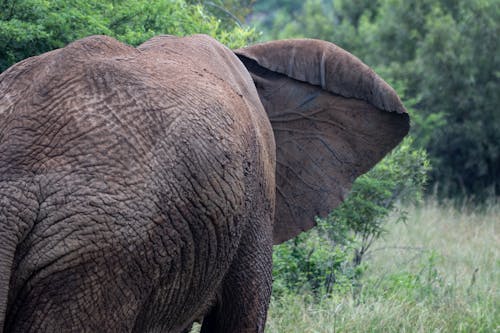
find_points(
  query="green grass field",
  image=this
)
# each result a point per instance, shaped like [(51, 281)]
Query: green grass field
[(439, 272)]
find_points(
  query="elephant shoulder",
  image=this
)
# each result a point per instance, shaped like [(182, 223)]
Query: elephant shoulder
[(203, 54)]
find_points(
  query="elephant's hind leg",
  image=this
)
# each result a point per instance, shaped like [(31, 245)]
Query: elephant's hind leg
[(18, 210), (6, 260), (243, 300)]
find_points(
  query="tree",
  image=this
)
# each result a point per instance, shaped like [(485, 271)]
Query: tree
[(442, 55), (329, 257), (461, 59), (230, 12), (31, 27)]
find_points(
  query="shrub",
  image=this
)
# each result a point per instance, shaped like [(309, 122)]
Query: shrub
[(31, 27), (329, 257)]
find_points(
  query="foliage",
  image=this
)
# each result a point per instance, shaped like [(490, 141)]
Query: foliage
[(400, 177), (333, 252), (447, 54), (443, 54), (329, 257), (312, 263), (464, 86), (31, 27), (230, 12), (439, 272), (266, 12)]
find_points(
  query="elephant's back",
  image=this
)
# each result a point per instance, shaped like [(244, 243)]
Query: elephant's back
[(102, 117), (117, 120), (98, 100)]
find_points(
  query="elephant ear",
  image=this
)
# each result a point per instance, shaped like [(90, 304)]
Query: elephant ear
[(333, 119)]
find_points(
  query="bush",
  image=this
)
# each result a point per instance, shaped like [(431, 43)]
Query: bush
[(444, 54), (436, 273), (312, 263), (329, 257), (31, 27)]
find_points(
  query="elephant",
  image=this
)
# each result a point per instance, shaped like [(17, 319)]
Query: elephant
[(143, 188)]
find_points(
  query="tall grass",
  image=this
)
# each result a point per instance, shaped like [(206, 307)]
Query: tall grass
[(438, 272)]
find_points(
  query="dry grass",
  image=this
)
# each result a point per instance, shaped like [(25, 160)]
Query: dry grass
[(439, 272)]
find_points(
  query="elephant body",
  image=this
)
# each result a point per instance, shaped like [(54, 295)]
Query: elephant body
[(139, 186), (134, 184)]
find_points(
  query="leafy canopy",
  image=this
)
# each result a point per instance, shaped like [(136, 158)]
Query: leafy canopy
[(442, 55), (31, 27)]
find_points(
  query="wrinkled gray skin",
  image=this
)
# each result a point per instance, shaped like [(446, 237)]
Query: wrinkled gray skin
[(142, 189)]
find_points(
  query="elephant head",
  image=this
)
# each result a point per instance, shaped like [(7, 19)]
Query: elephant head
[(333, 119)]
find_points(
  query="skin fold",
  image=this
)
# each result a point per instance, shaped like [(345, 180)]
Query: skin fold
[(142, 189)]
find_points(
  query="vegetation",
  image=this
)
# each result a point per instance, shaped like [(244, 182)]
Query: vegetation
[(439, 272), (442, 56), (361, 269), (230, 12), (329, 257), (31, 27)]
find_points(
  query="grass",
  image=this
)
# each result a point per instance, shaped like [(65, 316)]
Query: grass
[(439, 272)]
